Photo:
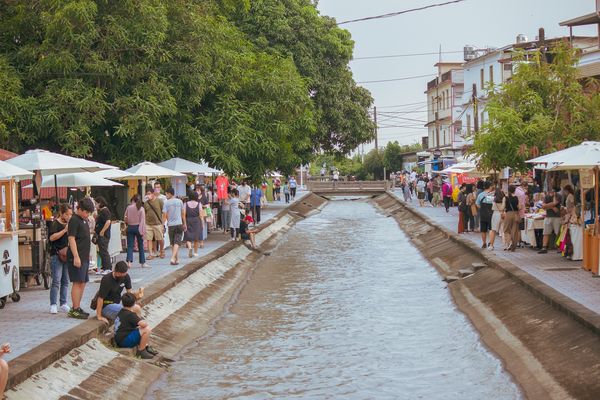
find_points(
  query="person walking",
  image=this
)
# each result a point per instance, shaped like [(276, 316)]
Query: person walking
[(293, 187), (436, 189), (552, 222), (78, 255), (102, 230), (193, 224), (226, 212), (235, 214), (173, 216), (462, 208), (286, 192), (511, 219), (421, 191), (447, 194), (484, 204), (154, 226), (498, 218), (256, 197), (59, 243), (470, 225), (135, 219)]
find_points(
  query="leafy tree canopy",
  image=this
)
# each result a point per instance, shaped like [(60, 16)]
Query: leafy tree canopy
[(542, 109), (132, 80)]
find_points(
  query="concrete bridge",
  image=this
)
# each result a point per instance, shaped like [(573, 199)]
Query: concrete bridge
[(348, 188)]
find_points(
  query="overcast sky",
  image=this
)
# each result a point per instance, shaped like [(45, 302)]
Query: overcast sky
[(483, 23)]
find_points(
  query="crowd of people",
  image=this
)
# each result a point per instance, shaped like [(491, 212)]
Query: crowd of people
[(498, 209), (234, 209)]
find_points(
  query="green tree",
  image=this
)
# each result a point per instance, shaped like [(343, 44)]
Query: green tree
[(542, 109), (321, 52), (373, 164)]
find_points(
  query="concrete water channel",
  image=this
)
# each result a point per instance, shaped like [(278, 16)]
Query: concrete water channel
[(345, 307)]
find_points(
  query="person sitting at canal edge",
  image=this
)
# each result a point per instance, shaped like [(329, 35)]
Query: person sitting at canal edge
[(552, 222), (131, 330), (484, 204), (78, 255), (245, 232), (3, 368), (108, 300)]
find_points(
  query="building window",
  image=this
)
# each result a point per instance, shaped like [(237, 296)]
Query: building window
[(491, 75), (481, 79), (468, 124), (447, 98)]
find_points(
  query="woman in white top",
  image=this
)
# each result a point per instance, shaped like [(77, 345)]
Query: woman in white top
[(498, 206), (234, 202)]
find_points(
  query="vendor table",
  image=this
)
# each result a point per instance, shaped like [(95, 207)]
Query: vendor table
[(9, 271), (577, 240), (531, 224)]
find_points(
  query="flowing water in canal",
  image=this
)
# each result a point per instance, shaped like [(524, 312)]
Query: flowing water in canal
[(345, 308)]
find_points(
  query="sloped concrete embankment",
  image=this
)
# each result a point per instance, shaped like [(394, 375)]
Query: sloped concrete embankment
[(81, 364), (548, 342)]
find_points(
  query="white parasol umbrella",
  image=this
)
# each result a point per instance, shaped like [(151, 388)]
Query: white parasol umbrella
[(80, 179), (112, 174), (9, 171), (587, 157), (207, 170), (49, 163), (572, 153), (181, 165), (147, 169)]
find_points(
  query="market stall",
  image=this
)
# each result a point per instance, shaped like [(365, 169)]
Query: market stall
[(9, 233), (34, 262), (584, 158)]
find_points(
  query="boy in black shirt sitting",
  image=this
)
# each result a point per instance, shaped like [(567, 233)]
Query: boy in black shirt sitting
[(245, 232), (131, 330)]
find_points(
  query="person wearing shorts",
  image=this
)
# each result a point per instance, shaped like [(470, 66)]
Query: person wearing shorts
[(484, 203), (108, 304), (552, 222), (154, 225), (78, 255), (173, 215), (132, 331)]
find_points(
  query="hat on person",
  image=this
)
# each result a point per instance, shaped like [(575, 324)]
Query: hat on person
[(249, 218)]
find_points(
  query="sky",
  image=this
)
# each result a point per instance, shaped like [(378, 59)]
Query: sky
[(482, 23)]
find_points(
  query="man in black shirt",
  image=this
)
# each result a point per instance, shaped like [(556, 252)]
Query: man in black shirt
[(78, 255), (102, 229), (552, 222), (108, 304)]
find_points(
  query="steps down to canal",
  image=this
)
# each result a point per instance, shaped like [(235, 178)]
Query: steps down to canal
[(548, 342)]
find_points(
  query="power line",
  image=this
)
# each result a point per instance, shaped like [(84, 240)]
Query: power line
[(397, 79), (393, 14), (405, 55)]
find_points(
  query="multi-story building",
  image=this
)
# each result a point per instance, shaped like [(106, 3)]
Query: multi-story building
[(444, 94), (589, 63), (484, 69)]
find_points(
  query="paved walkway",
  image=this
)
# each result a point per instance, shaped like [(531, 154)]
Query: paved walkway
[(567, 277), (28, 323)]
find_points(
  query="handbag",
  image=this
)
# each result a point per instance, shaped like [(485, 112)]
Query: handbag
[(62, 254), (474, 210), (95, 238), (94, 302)]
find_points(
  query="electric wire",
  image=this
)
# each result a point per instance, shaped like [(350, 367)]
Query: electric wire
[(394, 14)]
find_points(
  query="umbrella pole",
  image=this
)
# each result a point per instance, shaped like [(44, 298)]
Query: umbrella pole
[(596, 200), (55, 189)]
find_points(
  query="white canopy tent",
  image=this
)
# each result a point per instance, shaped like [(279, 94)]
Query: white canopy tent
[(9, 171), (80, 179), (188, 167), (567, 155), (48, 163), (147, 170), (113, 174)]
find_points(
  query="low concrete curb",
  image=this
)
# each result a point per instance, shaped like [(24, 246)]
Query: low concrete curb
[(44, 355), (573, 309)]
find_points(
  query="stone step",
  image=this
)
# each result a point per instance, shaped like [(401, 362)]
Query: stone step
[(478, 265), (451, 278), (465, 272)]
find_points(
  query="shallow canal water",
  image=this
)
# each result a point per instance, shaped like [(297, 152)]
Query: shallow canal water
[(345, 308)]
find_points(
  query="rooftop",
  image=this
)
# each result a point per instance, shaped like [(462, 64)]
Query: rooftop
[(589, 19)]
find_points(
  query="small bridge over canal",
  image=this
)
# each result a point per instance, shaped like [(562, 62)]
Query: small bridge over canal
[(348, 188)]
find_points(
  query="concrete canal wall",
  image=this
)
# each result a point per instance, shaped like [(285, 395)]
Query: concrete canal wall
[(548, 342), (81, 363)]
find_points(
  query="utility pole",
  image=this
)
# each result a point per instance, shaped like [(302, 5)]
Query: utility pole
[(375, 119), (475, 109)]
